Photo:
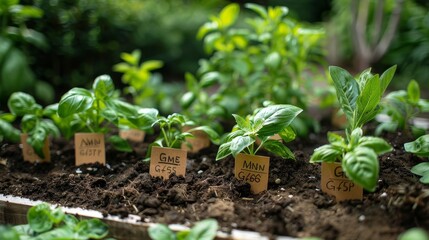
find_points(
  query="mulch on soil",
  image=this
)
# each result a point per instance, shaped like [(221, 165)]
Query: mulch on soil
[(294, 207)]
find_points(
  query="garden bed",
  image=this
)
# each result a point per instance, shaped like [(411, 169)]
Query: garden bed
[(295, 206)]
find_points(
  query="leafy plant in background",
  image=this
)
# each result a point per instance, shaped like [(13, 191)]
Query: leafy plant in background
[(414, 234), (401, 107), (15, 36), (420, 147), (359, 100), (32, 119), (94, 108), (265, 60), (46, 223), (7, 131), (172, 135), (266, 122), (202, 230)]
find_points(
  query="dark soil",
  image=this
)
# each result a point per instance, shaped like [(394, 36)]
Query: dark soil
[(295, 207)]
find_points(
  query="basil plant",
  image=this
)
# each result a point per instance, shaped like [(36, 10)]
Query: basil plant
[(263, 124), (359, 100), (420, 147)]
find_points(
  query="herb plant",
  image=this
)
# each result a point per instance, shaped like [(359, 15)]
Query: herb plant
[(7, 131), (266, 122), (401, 107), (94, 108), (172, 135), (202, 230), (359, 100), (46, 223), (33, 122), (420, 147)]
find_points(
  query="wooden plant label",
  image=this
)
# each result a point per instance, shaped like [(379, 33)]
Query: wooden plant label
[(89, 148), (165, 161), (254, 170), (201, 140), (134, 135), (30, 155), (335, 182)]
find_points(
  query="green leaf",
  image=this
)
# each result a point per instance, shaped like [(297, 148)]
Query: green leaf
[(8, 233), (275, 118), (335, 138), (258, 9), (57, 215), (287, 134), (122, 108), (414, 234), (223, 151), (361, 166), (20, 103), (209, 79), (240, 143), (420, 146), (421, 169), (385, 78), (103, 87), (75, 101), (273, 60), (151, 65), (347, 90), (368, 101), (36, 139), (425, 178), (8, 131), (229, 14), (203, 230), (39, 219), (379, 145), (63, 233), (213, 135), (187, 99), (120, 144), (413, 91), (278, 149), (160, 232), (242, 123), (70, 221), (327, 153), (92, 228)]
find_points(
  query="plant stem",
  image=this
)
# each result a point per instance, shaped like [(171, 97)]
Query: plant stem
[(165, 136)]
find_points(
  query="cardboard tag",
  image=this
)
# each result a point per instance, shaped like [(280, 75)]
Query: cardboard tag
[(201, 140), (89, 148), (134, 135), (29, 154), (254, 170), (165, 161), (335, 182)]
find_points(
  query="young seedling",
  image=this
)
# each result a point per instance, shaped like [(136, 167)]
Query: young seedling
[(93, 109), (47, 223), (35, 127), (359, 100), (420, 147), (166, 157), (241, 143), (402, 107), (202, 230)]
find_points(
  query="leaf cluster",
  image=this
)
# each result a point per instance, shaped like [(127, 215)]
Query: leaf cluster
[(401, 107), (420, 147), (45, 223), (33, 120), (202, 230), (266, 122), (7, 131)]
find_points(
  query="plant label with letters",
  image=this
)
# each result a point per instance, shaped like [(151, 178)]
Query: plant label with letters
[(29, 154), (199, 141), (134, 135), (89, 148), (253, 170), (335, 182), (165, 161)]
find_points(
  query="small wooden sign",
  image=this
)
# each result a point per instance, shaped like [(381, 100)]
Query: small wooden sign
[(30, 155), (134, 135), (335, 182), (201, 140), (165, 161), (89, 148), (254, 170)]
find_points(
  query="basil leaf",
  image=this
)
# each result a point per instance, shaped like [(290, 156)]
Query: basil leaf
[(38, 218), (8, 233), (8, 132), (287, 134), (75, 101), (103, 87), (367, 102), (413, 91), (120, 144), (187, 99), (379, 145), (275, 118), (347, 90), (161, 232), (326, 153), (242, 123), (279, 149), (122, 108), (362, 167), (36, 139), (420, 146), (58, 233), (213, 135), (223, 151), (57, 215), (20, 104), (386, 77), (92, 228), (203, 230), (240, 143), (335, 138), (421, 169)]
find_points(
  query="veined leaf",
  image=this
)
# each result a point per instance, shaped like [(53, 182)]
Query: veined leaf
[(203, 230), (379, 145), (224, 151), (362, 167), (326, 153), (161, 232), (122, 108), (287, 134), (75, 101), (20, 103), (335, 138), (367, 101), (38, 218), (275, 118), (120, 144), (386, 77), (413, 91), (240, 143), (347, 90), (103, 87), (92, 229), (279, 149), (420, 146), (421, 169), (242, 123)]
